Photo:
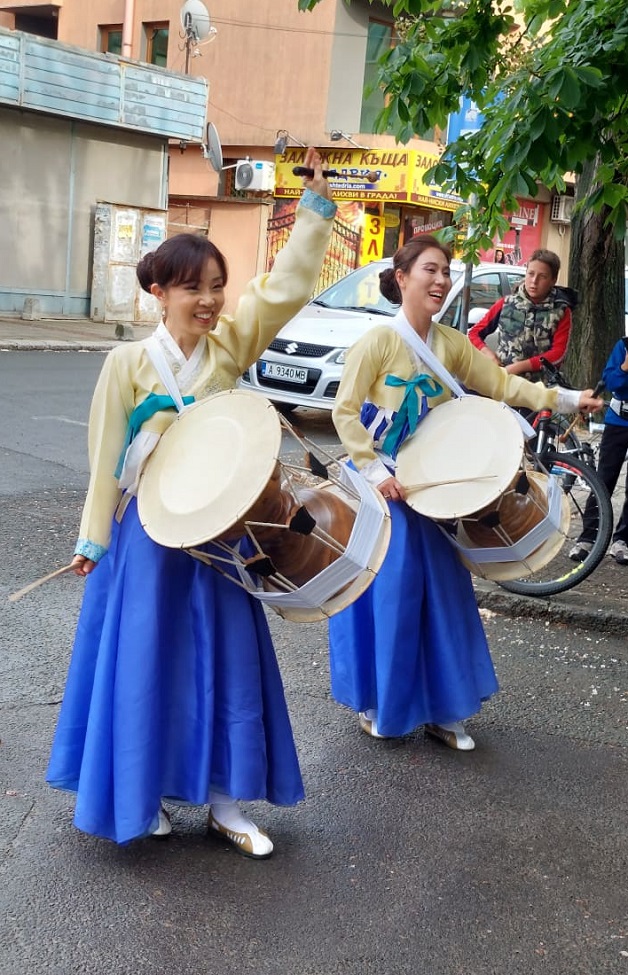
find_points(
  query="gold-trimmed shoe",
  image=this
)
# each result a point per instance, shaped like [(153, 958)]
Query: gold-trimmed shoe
[(253, 842), (453, 735), (369, 725)]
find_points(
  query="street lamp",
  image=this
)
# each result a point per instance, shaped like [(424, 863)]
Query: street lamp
[(336, 135)]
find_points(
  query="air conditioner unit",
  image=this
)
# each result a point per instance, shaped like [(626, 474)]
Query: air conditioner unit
[(255, 174), (562, 207)]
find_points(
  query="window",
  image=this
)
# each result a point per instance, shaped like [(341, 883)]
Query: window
[(111, 39), (379, 40), (45, 26), (485, 291), (156, 44)]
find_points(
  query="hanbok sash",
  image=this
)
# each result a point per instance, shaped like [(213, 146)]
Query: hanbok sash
[(141, 446)]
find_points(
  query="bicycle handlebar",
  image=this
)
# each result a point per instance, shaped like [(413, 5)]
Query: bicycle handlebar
[(558, 379), (554, 373)]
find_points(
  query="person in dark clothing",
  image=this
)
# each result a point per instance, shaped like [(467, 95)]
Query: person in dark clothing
[(613, 448)]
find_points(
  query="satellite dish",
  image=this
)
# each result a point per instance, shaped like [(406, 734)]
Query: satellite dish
[(195, 20), (213, 149)]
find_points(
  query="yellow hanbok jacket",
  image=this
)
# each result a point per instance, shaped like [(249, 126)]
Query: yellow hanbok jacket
[(128, 376)]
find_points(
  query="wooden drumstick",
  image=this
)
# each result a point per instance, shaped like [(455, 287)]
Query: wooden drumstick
[(453, 480), (51, 575)]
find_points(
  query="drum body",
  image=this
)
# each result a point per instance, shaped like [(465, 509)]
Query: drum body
[(465, 467), (216, 477)]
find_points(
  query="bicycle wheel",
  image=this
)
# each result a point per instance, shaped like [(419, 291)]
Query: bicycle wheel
[(579, 483)]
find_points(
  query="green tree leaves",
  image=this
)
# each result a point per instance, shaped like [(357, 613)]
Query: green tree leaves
[(551, 79)]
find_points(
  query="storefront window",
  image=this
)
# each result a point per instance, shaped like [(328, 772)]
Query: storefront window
[(421, 220)]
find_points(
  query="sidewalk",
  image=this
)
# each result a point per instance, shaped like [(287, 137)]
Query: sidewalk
[(600, 602), (63, 334)]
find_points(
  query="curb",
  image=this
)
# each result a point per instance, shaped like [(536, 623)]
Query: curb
[(601, 618), (37, 345)]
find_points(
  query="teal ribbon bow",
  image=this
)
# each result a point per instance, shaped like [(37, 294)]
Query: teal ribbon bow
[(408, 412), (147, 408)]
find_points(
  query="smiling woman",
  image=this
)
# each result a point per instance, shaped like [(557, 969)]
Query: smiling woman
[(406, 653), (187, 275), (174, 692)]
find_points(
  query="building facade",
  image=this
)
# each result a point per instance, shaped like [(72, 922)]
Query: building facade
[(278, 80)]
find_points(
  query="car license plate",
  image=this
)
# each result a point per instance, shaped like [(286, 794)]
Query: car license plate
[(277, 370)]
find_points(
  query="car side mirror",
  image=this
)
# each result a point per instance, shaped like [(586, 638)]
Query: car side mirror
[(475, 315)]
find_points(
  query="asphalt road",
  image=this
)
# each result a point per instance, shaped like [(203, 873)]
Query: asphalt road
[(405, 858)]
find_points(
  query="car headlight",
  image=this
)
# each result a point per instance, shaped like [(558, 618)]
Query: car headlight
[(340, 357)]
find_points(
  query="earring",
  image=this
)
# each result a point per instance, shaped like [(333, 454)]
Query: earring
[(164, 313)]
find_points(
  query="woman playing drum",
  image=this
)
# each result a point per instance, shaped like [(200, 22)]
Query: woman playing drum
[(173, 690), (411, 651)]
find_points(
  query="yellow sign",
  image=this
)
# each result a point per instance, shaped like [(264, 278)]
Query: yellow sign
[(381, 175), (429, 194), (373, 228), (363, 174)]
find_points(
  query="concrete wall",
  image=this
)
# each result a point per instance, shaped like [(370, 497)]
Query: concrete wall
[(239, 229), (52, 172), (268, 65)]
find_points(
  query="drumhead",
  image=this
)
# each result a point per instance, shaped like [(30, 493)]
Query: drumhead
[(209, 468), (463, 455)]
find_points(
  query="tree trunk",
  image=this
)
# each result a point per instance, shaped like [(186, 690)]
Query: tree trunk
[(596, 271)]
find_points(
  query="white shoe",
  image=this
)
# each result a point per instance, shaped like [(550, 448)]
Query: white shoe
[(251, 842), (368, 723), (580, 551), (164, 827), (453, 735), (619, 551)]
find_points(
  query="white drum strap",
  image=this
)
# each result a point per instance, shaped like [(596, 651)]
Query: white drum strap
[(145, 442), (406, 332), (355, 559), (400, 325), (519, 551), (162, 368)]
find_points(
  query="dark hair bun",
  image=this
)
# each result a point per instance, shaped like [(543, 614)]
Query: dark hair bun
[(389, 287), (145, 271)]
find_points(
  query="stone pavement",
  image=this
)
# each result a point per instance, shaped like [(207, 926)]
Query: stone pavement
[(599, 602), (62, 334)]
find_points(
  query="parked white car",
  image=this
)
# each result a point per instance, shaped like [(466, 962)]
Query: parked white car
[(302, 367)]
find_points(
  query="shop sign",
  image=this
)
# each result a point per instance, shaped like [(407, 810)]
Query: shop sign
[(373, 230), (377, 175), (429, 194), (356, 170)]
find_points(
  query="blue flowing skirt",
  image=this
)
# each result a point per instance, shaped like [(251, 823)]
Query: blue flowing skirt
[(173, 687), (413, 646)]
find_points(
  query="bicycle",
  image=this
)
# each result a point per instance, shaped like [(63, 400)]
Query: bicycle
[(557, 450), (560, 430)]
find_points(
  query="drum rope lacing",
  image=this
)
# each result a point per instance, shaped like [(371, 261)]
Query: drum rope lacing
[(354, 560)]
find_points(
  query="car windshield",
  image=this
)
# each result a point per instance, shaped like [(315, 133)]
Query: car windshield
[(359, 291)]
